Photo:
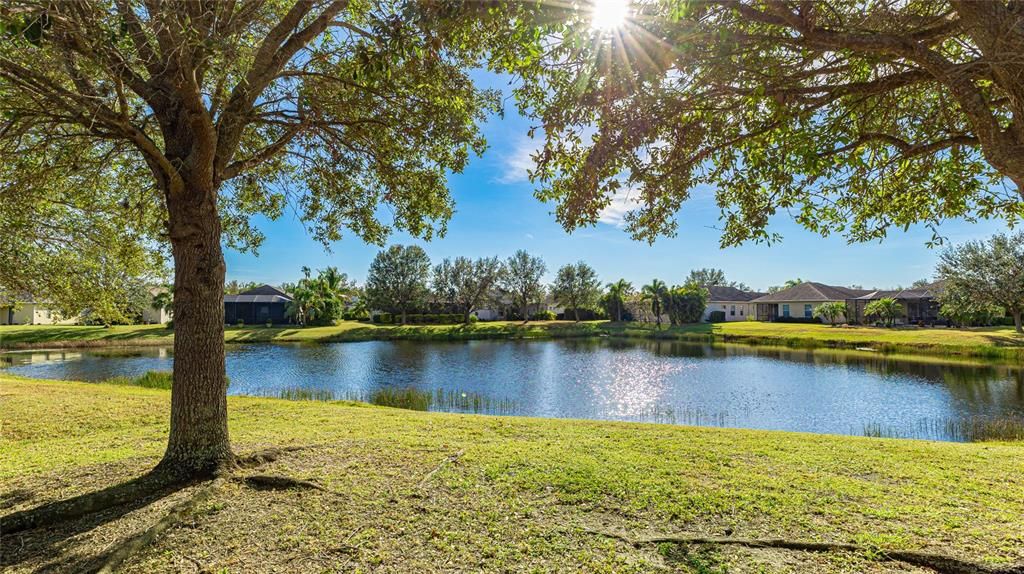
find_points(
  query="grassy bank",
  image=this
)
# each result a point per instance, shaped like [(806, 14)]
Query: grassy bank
[(990, 342), (427, 492)]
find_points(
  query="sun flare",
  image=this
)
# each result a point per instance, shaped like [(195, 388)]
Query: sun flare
[(608, 14)]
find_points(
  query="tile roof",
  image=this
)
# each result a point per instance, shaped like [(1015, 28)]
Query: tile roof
[(240, 298), (726, 293), (810, 291), (261, 294), (265, 290), (929, 291)]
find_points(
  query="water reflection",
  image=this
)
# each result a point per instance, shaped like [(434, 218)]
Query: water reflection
[(823, 391)]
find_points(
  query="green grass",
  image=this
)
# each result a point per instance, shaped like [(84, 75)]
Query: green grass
[(427, 492), (985, 343)]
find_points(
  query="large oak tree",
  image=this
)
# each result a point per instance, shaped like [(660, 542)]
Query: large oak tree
[(200, 114), (851, 117)]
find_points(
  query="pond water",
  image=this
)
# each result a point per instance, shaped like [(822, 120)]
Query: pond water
[(819, 391)]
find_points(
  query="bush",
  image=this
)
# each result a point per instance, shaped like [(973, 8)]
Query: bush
[(150, 380), (798, 320), (716, 317), (241, 322), (269, 323), (169, 325), (473, 318), (543, 316)]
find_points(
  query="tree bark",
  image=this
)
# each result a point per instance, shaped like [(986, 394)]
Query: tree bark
[(1017, 322), (198, 443), (526, 309)]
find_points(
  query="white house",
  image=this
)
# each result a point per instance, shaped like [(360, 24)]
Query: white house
[(734, 303)]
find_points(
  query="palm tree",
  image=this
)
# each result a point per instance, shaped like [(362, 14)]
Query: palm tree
[(617, 293), (887, 309), (655, 292)]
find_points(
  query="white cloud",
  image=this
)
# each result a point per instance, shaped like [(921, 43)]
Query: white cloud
[(528, 236), (622, 203), (517, 163)]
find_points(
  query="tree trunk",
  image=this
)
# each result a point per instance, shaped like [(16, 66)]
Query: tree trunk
[(465, 316), (575, 314), (1017, 322), (526, 309), (198, 444), (403, 316)]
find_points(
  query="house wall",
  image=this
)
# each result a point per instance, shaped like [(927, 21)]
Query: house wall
[(151, 316), (487, 314), (734, 310), (796, 309), (32, 314)]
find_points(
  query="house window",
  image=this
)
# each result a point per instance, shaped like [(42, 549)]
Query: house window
[(808, 311), (732, 310), (741, 311), (785, 309)]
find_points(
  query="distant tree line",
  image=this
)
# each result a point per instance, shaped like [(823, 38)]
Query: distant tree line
[(402, 282)]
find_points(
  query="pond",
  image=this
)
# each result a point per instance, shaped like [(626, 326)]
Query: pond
[(819, 391)]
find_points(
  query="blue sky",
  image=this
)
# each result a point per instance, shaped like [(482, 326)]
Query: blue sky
[(496, 214)]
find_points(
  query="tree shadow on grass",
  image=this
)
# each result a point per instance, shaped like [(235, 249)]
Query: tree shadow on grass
[(49, 530)]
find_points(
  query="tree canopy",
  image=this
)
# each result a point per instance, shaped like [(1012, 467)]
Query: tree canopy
[(576, 287), (397, 280), (522, 280), (713, 277), (979, 275), (465, 283), (851, 118)]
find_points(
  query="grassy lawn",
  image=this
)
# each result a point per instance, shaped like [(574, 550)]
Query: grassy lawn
[(995, 342), (985, 342), (518, 494)]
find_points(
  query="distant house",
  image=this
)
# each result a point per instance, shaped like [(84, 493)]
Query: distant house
[(25, 310), (801, 301), (735, 303), (505, 309), (153, 316), (257, 306), (920, 304)]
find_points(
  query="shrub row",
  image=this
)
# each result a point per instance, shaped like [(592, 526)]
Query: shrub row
[(716, 317), (419, 318), (798, 320)]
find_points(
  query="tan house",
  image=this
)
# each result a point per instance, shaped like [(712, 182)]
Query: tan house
[(153, 316), (27, 311), (800, 302)]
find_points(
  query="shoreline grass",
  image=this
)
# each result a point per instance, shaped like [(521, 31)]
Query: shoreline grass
[(517, 494), (999, 343)]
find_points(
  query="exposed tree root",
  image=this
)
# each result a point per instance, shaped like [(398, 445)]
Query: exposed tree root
[(278, 482), (937, 562), (264, 456), (133, 545), (447, 460)]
